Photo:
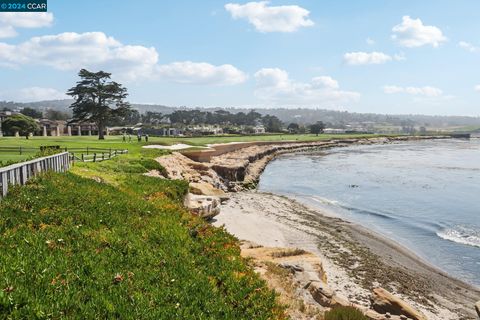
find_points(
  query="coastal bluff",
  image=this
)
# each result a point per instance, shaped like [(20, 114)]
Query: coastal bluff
[(233, 167), (215, 171)]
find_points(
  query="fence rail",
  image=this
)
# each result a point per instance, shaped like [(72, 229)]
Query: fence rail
[(18, 150), (86, 154), (20, 173), (93, 154)]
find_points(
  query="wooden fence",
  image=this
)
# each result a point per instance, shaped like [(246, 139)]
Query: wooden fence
[(18, 150), (94, 155), (20, 173)]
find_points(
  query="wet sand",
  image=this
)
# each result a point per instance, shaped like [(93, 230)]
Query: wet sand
[(355, 259)]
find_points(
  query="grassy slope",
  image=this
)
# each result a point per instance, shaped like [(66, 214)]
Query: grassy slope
[(71, 247)]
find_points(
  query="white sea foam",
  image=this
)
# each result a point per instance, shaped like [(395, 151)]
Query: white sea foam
[(461, 234), (325, 201)]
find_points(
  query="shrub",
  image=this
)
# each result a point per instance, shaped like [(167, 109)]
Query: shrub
[(344, 313)]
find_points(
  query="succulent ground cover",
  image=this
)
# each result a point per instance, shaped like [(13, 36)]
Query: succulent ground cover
[(105, 241)]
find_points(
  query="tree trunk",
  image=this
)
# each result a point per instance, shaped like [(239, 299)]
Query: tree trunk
[(101, 128)]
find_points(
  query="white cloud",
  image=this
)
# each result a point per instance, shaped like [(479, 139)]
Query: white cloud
[(468, 46), (11, 20), (73, 51), (35, 94), (325, 82), (413, 33), (361, 58), (267, 18), (427, 91), (201, 73), (7, 32), (274, 85), (27, 19), (95, 50), (477, 88)]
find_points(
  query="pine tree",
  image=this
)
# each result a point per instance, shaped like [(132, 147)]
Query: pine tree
[(97, 99)]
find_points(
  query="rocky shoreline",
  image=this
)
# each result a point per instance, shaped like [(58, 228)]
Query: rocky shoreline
[(352, 255), (241, 164), (356, 266), (234, 167)]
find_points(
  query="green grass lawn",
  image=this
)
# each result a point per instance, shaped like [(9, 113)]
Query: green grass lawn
[(15, 157), (201, 141), (106, 242), (115, 142)]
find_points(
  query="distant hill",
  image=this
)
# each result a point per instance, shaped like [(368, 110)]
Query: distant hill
[(300, 115)]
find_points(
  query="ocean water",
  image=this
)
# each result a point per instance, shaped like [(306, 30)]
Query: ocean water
[(424, 195)]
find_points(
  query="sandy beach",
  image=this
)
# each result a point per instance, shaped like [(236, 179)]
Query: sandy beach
[(354, 259)]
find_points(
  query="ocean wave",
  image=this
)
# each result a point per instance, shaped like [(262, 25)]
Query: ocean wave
[(357, 210), (461, 234), (377, 214), (458, 168), (325, 201)]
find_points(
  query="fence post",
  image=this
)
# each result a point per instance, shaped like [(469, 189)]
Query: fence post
[(83, 160), (95, 157), (4, 180), (20, 150)]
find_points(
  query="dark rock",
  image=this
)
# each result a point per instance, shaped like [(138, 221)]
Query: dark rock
[(292, 267)]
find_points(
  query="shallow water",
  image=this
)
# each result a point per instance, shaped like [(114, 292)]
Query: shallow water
[(424, 195)]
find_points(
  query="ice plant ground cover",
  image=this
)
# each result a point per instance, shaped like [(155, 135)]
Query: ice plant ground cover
[(105, 241)]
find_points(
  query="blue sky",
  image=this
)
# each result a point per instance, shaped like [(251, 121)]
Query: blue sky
[(363, 56)]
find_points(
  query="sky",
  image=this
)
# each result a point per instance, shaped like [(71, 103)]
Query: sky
[(379, 56)]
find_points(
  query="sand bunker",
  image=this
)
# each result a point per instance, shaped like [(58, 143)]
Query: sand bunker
[(179, 146)]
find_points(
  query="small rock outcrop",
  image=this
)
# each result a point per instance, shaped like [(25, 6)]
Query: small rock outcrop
[(384, 302), (321, 293), (205, 207), (477, 308), (206, 189), (177, 166)]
